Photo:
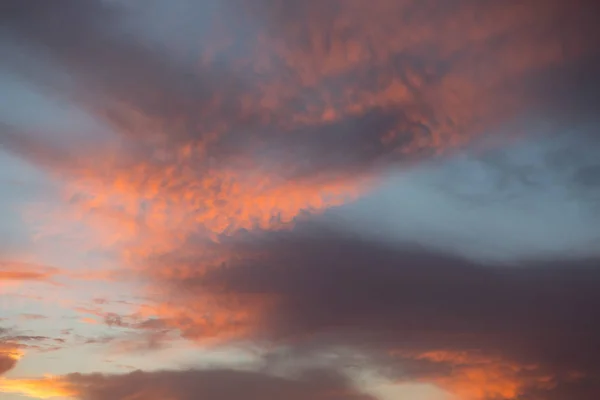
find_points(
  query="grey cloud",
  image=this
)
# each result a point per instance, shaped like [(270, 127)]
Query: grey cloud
[(32, 317), (86, 40), (27, 338), (333, 290), (214, 384)]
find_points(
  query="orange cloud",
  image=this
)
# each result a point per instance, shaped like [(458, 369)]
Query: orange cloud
[(91, 321), (214, 319), (475, 376), (19, 271), (14, 274), (149, 209), (496, 382)]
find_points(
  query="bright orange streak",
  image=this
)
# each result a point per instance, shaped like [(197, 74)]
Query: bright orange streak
[(16, 271), (496, 382), (43, 388)]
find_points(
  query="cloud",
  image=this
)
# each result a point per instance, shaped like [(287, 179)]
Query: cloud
[(276, 117), (211, 125), (10, 351), (343, 116), (14, 344), (470, 375), (7, 362), (19, 271), (257, 125), (504, 204), (46, 388), (191, 384), (32, 317), (318, 290)]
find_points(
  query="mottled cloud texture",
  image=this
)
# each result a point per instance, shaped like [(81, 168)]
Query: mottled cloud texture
[(327, 197)]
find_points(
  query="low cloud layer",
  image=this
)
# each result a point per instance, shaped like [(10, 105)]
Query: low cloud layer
[(326, 291), (187, 385)]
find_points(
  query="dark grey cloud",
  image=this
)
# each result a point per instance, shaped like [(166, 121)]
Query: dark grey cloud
[(86, 38), (585, 389), (214, 384), (332, 290)]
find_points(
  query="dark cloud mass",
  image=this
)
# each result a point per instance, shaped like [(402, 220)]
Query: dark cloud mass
[(213, 384), (337, 290), (224, 138)]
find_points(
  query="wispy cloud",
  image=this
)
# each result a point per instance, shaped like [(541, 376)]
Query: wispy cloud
[(19, 271)]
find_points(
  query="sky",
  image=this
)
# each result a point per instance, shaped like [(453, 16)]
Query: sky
[(316, 200)]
